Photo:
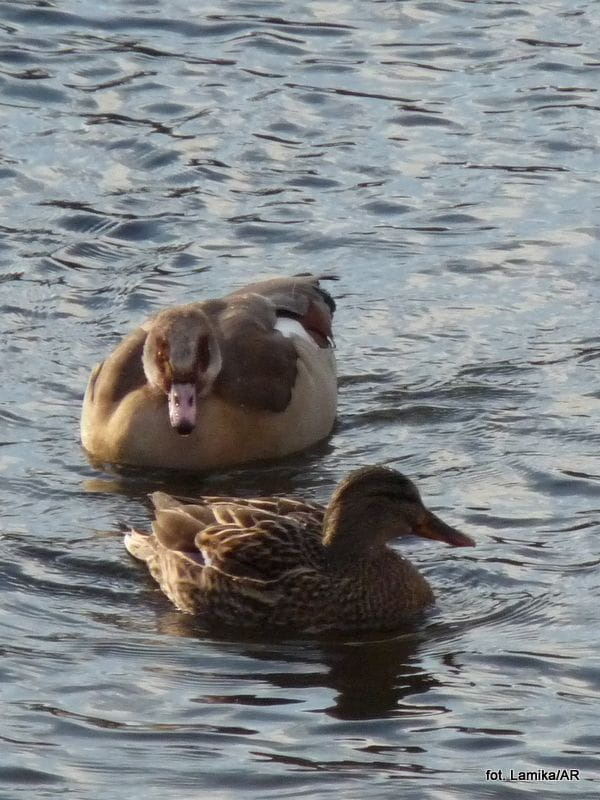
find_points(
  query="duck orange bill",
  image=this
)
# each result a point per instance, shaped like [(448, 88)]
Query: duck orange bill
[(432, 527)]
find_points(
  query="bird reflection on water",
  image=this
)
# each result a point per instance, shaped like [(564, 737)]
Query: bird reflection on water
[(367, 677)]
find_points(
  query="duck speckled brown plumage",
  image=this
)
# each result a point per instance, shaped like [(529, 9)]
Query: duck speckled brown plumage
[(212, 384), (278, 563)]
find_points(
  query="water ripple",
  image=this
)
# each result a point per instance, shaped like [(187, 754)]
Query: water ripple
[(441, 158)]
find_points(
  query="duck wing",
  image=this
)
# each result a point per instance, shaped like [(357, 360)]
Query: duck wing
[(263, 554), (246, 539)]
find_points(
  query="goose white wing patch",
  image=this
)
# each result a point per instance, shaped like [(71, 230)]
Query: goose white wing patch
[(291, 327)]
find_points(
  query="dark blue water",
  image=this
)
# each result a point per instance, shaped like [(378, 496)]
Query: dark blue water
[(443, 158)]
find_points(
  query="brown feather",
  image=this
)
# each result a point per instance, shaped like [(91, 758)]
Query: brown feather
[(260, 394), (274, 563), (122, 372)]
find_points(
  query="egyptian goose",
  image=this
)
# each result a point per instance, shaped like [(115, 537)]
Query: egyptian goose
[(277, 563), (217, 383)]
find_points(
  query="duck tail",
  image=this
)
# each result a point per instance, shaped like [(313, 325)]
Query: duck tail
[(138, 544)]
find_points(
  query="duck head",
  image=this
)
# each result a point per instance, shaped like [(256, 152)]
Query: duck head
[(376, 504), (182, 358)]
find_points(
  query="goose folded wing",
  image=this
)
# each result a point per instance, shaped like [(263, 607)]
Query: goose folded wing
[(120, 373), (301, 298)]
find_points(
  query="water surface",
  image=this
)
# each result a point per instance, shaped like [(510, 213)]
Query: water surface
[(442, 158)]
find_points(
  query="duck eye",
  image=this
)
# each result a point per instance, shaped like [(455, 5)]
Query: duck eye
[(162, 355)]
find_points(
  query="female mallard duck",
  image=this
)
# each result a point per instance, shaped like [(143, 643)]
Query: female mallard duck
[(217, 383), (278, 563)]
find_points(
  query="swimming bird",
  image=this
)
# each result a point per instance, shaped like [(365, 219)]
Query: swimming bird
[(278, 563), (213, 384)]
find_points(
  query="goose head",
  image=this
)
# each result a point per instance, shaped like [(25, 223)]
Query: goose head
[(182, 358)]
